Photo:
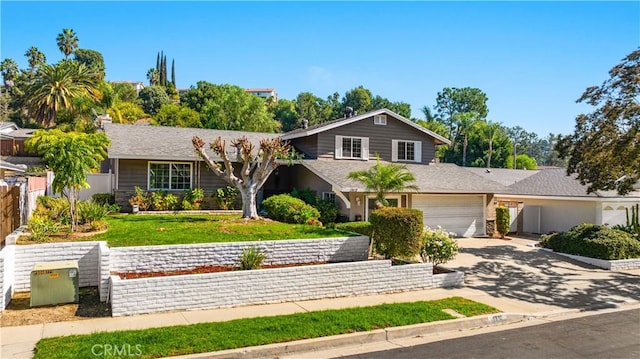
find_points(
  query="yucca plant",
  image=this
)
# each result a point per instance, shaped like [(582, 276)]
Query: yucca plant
[(251, 258)]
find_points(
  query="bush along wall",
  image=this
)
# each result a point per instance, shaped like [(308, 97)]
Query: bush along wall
[(397, 232), (590, 240)]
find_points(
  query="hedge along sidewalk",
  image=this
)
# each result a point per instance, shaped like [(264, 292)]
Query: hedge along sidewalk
[(207, 337), (143, 230)]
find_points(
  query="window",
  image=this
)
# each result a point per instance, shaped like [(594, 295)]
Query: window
[(352, 148), (169, 175), (404, 150), (380, 120), (329, 196)]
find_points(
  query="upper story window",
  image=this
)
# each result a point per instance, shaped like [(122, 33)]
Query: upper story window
[(169, 175), (352, 148), (404, 150), (380, 120)]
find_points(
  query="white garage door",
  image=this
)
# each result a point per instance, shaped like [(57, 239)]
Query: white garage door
[(462, 214)]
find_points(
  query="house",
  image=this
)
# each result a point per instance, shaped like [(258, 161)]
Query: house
[(12, 139), (265, 93), (544, 201), (154, 157)]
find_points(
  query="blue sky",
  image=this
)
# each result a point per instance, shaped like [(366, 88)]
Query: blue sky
[(532, 59)]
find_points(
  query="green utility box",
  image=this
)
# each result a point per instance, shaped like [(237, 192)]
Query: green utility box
[(54, 283)]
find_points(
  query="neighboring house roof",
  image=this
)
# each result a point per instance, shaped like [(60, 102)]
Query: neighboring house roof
[(6, 127), (12, 167), (312, 130), (168, 143), (552, 182), (433, 178), (504, 176), (259, 90)]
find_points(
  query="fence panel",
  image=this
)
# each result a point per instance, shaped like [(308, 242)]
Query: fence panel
[(10, 206)]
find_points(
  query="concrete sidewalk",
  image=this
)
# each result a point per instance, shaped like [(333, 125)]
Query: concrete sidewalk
[(18, 342)]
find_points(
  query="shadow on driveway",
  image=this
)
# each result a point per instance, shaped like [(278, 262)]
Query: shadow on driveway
[(541, 277)]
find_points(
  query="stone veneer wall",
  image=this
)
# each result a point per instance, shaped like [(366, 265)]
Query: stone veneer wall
[(7, 260), (215, 290), (618, 264), (178, 257)]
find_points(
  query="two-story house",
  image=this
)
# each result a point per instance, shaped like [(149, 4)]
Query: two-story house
[(154, 158)]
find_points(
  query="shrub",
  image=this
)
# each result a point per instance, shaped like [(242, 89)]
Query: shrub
[(595, 241), (89, 211), (362, 227), (140, 199), (56, 209), (285, 208), (225, 198), (163, 201), (114, 208), (251, 258), (397, 231), (104, 198), (632, 225), (307, 195), (328, 211), (438, 246), (42, 228), (192, 198), (502, 220)]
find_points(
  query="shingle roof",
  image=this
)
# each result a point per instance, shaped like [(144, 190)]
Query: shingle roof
[(434, 178), (503, 176), (167, 143), (311, 130)]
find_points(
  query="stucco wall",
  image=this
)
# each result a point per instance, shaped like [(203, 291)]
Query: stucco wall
[(561, 215)]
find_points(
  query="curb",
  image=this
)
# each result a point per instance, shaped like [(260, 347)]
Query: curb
[(387, 334)]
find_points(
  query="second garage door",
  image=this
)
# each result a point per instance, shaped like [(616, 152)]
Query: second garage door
[(462, 214)]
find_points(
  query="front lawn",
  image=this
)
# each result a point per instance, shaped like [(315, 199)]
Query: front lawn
[(144, 230), (207, 337)]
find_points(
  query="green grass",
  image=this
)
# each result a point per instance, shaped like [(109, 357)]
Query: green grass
[(207, 337), (143, 230)]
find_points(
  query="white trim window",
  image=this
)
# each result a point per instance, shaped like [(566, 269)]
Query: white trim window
[(406, 151), (331, 196), (169, 175), (353, 148), (380, 120)]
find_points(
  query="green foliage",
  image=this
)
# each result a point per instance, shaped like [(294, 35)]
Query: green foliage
[(522, 162), (503, 221), (604, 149), (383, 178), (92, 59), (57, 209), (438, 246), (178, 116), (632, 225), (67, 42), (152, 98), (103, 198), (192, 198), (308, 195), (590, 240), (124, 91), (327, 208), (226, 197), (42, 227), (251, 258), (141, 199), (397, 232), (359, 99), (361, 227), (89, 212), (284, 111), (285, 208), (128, 112)]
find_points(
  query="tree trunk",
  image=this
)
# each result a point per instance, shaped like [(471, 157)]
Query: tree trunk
[(73, 209), (464, 151), (490, 153), (249, 207)]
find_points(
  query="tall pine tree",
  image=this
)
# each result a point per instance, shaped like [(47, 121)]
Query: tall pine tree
[(173, 72), (164, 71)]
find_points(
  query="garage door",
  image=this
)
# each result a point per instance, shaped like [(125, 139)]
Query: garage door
[(463, 214)]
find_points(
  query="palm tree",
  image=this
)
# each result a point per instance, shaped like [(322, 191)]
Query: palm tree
[(9, 70), (153, 76), (383, 178), (489, 132), (67, 42), (35, 58), (56, 86)]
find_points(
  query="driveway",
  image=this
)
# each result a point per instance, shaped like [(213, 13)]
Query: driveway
[(513, 269)]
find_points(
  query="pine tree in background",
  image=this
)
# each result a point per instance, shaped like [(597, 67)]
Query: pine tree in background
[(164, 71), (173, 72), (158, 63)]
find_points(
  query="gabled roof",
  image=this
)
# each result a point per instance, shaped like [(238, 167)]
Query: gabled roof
[(504, 176), (7, 127), (433, 178), (167, 143), (312, 130)]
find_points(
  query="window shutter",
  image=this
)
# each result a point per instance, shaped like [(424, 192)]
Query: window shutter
[(365, 148), (394, 150), (338, 148), (418, 149)]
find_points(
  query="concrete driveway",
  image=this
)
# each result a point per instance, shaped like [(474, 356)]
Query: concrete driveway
[(513, 269)]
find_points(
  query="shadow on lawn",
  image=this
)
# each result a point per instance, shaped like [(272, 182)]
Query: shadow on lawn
[(546, 278)]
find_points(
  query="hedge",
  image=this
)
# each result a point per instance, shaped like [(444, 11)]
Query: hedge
[(590, 240), (285, 208), (361, 227), (397, 232)]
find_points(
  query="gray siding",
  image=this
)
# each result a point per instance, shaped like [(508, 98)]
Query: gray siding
[(132, 173), (379, 138), (307, 145)]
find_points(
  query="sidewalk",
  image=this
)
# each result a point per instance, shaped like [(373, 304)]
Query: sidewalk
[(18, 342)]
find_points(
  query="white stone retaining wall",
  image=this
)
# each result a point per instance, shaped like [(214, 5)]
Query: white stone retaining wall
[(179, 257), (7, 262), (86, 253), (618, 264), (444, 280), (214, 290)]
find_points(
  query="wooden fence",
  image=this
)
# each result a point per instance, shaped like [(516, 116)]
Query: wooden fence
[(10, 206)]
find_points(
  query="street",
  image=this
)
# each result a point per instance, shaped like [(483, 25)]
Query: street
[(612, 335)]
